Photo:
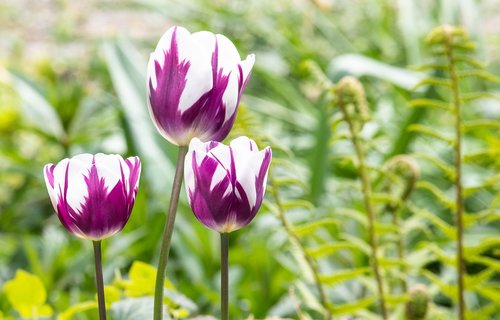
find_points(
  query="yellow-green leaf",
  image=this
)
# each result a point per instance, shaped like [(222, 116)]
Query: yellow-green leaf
[(27, 295), (142, 277), (112, 294), (77, 308), (343, 275), (350, 308)]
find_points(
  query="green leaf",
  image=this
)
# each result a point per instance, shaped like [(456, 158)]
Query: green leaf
[(307, 228), (447, 169), (467, 97), (141, 282), (445, 228), (429, 103), (359, 243), (37, 110), (128, 72), (330, 248), (438, 194), (482, 123), (359, 65), (436, 82), (430, 132), (342, 276), (353, 307), (479, 74), (69, 313), (448, 290), (27, 295)]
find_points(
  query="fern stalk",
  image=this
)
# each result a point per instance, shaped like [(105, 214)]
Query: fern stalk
[(353, 85), (296, 239), (456, 103), (410, 172)]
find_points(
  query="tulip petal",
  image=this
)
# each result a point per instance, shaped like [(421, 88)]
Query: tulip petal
[(195, 84), (93, 195), (226, 184)]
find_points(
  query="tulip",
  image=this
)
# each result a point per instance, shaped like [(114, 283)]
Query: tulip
[(93, 196), (225, 187), (195, 82), (226, 184)]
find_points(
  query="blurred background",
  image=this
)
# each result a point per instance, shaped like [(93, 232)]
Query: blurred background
[(72, 80)]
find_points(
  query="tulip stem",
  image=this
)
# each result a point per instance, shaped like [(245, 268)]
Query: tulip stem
[(99, 281), (167, 233), (224, 270)]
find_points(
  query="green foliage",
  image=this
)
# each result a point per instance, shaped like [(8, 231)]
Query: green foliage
[(27, 295), (307, 254)]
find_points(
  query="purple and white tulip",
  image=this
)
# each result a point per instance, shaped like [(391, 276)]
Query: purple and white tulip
[(93, 195), (195, 82), (226, 184)]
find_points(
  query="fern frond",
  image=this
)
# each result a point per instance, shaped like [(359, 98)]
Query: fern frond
[(298, 203), (309, 227), (360, 244), (429, 103), (438, 82), (468, 60), (429, 66), (444, 227), (343, 276), (330, 248), (449, 171), (482, 123), (351, 308), (447, 289), (430, 132), (442, 256), (478, 74), (438, 194), (472, 96)]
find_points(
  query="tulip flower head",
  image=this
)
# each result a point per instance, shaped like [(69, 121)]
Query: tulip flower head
[(226, 184), (195, 82), (93, 195)]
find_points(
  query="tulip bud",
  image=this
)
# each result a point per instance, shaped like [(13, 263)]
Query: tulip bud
[(416, 308), (195, 82), (93, 195), (226, 184)]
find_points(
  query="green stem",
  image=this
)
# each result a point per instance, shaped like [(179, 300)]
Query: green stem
[(224, 271), (458, 177), (400, 248), (367, 194), (295, 238), (99, 281), (167, 234)]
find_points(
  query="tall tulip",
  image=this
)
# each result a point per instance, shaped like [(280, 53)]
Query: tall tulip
[(93, 196), (195, 82), (225, 187)]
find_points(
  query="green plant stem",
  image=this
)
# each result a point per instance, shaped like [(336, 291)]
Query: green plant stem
[(296, 239), (167, 234), (456, 101), (99, 280), (224, 271), (367, 194), (400, 247)]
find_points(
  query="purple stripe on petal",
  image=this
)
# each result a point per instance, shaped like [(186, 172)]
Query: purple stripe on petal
[(170, 83), (105, 205), (221, 202), (195, 84), (49, 174)]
